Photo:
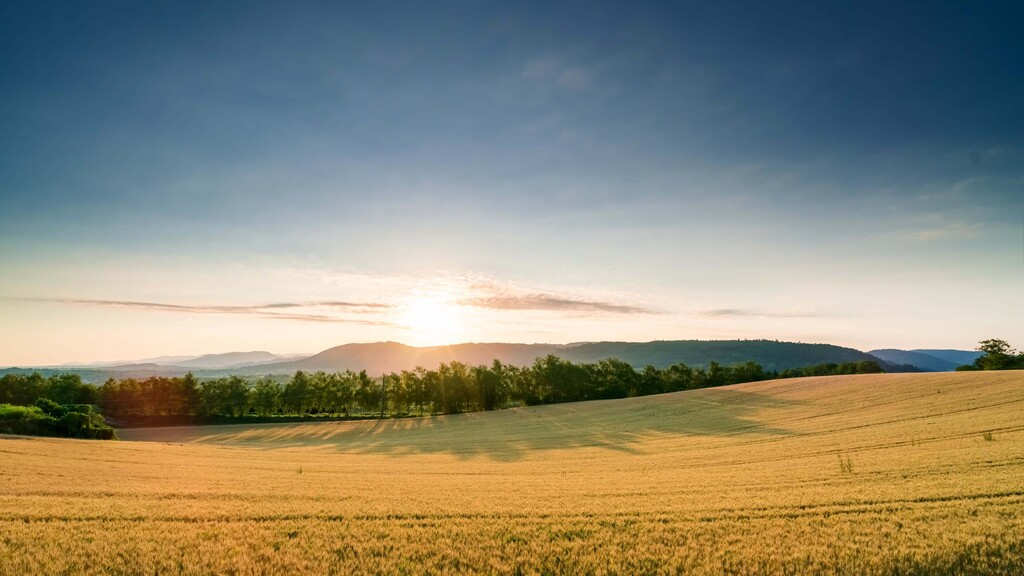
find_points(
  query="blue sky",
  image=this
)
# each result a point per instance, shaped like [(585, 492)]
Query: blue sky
[(527, 172)]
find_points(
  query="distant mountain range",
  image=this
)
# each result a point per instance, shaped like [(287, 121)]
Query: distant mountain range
[(234, 360), (211, 361), (928, 360), (392, 357), (380, 357), (960, 357)]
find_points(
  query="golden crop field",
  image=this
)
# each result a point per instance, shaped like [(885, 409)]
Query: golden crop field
[(872, 474)]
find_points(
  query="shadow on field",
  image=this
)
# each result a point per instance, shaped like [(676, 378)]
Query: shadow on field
[(509, 435)]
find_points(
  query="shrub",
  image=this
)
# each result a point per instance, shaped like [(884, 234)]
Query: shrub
[(50, 408), (47, 418), (9, 412)]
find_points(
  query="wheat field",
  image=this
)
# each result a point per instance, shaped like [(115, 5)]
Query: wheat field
[(872, 474)]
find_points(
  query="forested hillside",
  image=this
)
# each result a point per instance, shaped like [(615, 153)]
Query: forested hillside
[(383, 357)]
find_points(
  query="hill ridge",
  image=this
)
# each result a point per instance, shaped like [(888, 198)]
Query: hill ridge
[(773, 355), (380, 357)]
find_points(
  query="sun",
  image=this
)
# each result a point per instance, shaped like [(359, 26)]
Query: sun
[(433, 319)]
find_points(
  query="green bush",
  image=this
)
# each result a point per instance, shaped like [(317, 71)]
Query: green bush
[(51, 408), (9, 412), (29, 420), (47, 418)]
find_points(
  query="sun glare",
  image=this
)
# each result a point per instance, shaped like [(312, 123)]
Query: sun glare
[(433, 320)]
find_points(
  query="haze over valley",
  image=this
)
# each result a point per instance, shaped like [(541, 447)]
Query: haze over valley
[(378, 358)]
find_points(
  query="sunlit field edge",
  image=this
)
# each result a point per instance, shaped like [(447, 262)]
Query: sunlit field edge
[(877, 474)]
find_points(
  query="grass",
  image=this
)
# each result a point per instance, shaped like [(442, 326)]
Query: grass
[(737, 480), (846, 464)]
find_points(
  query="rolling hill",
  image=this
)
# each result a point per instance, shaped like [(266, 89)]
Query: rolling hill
[(230, 360), (772, 355), (927, 360), (392, 356), (380, 357), (924, 362), (959, 357), (872, 474)]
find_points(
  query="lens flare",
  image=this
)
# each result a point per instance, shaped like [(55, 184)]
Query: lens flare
[(433, 319)]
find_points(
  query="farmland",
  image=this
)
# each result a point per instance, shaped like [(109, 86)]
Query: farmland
[(886, 474)]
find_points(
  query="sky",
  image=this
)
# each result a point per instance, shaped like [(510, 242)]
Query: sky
[(201, 177)]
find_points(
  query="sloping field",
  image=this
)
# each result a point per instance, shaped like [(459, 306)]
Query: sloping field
[(876, 474)]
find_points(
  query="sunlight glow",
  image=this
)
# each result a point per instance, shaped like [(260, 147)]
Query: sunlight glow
[(433, 319)]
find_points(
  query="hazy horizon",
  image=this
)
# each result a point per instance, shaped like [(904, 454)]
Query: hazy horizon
[(284, 356), (190, 179)]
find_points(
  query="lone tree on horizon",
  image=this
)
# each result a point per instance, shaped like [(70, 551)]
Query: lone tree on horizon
[(998, 355)]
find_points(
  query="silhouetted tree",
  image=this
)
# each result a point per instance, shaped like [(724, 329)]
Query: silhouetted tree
[(998, 355)]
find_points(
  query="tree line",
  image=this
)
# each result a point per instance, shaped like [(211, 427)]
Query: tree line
[(60, 405), (996, 354), (453, 387)]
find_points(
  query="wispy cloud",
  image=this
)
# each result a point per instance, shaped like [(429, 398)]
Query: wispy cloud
[(954, 230), (550, 302), (575, 79), (741, 313), (324, 318), (551, 71), (256, 310)]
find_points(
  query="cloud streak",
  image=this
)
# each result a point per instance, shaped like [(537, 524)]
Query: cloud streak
[(255, 310), (551, 71), (740, 313), (550, 302), (956, 230)]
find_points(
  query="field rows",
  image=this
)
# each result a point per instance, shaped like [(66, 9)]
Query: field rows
[(887, 474)]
